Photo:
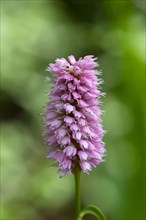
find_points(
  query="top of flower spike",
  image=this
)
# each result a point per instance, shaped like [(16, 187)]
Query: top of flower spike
[(77, 67)]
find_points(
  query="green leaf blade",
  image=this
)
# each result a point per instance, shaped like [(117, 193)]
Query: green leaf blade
[(92, 210)]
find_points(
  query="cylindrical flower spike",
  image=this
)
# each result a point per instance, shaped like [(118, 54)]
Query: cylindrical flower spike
[(73, 127)]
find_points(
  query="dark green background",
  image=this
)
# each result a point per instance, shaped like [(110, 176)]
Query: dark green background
[(35, 33)]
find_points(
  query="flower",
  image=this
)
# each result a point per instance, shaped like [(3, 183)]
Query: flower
[(72, 118)]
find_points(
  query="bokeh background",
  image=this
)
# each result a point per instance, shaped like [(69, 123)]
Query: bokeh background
[(33, 34)]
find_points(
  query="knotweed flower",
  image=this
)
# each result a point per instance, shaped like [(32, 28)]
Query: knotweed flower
[(72, 118)]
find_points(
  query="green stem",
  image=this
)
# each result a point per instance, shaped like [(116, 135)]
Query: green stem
[(77, 191)]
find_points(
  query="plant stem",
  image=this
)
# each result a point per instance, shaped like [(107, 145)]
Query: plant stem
[(77, 191)]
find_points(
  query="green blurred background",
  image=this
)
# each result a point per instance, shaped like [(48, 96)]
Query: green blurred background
[(33, 34)]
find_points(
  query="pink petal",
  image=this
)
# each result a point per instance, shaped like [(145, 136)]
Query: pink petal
[(78, 135), (84, 144), (82, 155), (85, 166), (71, 59), (69, 108), (69, 120), (74, 127), (56, 124), (70, 151), (76, 95)]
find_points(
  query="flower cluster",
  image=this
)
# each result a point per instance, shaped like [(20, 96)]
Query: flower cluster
[(72, 118)]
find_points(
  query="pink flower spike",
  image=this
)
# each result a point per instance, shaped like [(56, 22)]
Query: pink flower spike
[(73, 127)]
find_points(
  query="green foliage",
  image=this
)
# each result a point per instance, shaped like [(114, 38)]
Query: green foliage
[(92, 210)]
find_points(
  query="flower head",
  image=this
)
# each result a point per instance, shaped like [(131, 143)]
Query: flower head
[(73, 129)]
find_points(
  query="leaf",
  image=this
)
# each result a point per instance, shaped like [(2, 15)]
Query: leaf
[(92, 210)]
